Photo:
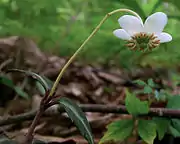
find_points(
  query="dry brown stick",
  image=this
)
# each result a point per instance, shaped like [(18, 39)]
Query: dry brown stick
[(159, 112), (5, 63)]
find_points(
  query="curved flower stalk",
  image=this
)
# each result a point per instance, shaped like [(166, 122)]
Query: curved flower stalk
[(84, 43), (143, 36)]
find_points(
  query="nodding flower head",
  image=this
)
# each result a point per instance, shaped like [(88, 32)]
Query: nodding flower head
[(141, 36)]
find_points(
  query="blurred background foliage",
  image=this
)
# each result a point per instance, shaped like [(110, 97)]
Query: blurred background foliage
[(60, 27)]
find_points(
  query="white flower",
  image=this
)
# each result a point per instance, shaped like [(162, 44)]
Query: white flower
[(143, 36)]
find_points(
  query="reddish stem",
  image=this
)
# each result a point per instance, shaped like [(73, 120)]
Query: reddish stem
[(30, 134)]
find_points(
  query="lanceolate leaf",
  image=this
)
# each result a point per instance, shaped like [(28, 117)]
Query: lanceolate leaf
[(20, 92), (118, 131), (41, 88), (78, 117), (35, 76), (4, 80)]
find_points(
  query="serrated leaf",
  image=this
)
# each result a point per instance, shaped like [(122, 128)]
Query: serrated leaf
[(78, 117), (151, 82), (175, 123), (174, 102), (148, 90), (162, 125), (118, 131), (174, 131), (147, 130), (135, 106), (140, 82), (35, 76)]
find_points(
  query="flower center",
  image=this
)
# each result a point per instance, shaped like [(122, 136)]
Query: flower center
[(143, 42)]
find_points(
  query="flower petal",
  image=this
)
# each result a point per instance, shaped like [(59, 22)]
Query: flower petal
[(131, 24), (155, 23), (122, 34), (164, 37)]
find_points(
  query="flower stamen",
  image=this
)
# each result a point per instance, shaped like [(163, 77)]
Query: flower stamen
[(143, 42)]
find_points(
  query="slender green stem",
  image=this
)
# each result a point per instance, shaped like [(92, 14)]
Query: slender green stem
[(84, 43)]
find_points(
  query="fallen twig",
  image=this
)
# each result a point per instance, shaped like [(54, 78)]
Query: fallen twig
[(121, 109)]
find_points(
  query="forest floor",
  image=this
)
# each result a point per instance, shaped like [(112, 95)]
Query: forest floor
[(85, 84)]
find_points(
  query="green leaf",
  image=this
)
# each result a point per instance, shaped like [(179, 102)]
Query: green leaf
[(135, 106), (162, 125), (36, 141), (78, 117), (134, 6), (174, 102), (21, 93), (118, 130), (174, 131), (41, 88), (157, 4), (161, 95), (175, 123), (147, 130), (35, 76), (174, 2), (48, 81), (140, 82), (177, 17), (5, 140), (151, 82), (4, 80), (157, 94), (148, 90)]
